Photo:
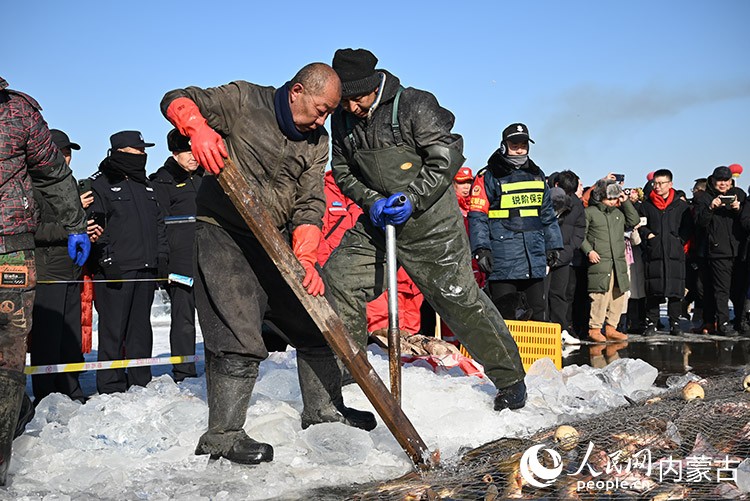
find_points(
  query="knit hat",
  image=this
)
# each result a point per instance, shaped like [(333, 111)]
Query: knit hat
[(356, 69)]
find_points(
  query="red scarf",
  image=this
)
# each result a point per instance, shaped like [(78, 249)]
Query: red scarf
[(660, 202), (463, 203)]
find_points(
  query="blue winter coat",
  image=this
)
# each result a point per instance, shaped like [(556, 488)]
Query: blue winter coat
[(519, 244)]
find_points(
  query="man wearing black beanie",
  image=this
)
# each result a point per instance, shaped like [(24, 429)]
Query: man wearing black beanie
[(388, 142)]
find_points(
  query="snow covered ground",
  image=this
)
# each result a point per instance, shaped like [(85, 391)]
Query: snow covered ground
[(139, 444)]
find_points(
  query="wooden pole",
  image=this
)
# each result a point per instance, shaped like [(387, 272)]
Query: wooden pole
[(241, 192)]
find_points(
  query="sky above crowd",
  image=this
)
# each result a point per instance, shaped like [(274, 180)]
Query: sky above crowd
[(626, 87)]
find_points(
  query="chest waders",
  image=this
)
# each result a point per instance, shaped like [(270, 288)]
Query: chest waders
[(382, 161), (433, 250)]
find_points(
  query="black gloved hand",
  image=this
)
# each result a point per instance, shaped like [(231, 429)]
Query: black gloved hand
[(110, 269), (484, 259), (553, 258)]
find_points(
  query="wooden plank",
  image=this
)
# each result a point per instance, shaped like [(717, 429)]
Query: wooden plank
[(241, 192)]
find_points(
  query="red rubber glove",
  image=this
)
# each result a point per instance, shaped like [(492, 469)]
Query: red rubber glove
[(207, 145), (305, 243)]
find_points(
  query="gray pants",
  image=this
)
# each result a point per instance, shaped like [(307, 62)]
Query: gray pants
[(237, 287), (433, 248)]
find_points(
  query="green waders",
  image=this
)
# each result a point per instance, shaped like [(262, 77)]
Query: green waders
[(433, 248)]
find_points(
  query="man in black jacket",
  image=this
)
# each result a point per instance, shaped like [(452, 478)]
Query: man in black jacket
[(718, 213), (176, 184), (391, 142), (667, 228), (131, 255), (56, 325), (562, 278)]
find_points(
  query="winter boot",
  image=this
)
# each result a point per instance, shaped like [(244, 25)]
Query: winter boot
[(613, 334), (745, 322), (650, 329), (320, 384), (512, 397), (25, 415), (674, 328), (229, 384), (596, 335), (12, 389)]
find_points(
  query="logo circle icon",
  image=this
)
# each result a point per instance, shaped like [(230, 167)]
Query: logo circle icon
[(534, 472)]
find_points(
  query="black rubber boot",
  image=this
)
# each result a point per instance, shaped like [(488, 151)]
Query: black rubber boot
[(512, 397), (229, 384), (320, 383), (25, 415), (12, 390)]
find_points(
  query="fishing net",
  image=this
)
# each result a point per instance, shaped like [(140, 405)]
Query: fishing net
[(665, 447)]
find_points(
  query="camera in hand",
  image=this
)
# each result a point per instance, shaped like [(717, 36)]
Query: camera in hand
[(726, 200), (620, 178)]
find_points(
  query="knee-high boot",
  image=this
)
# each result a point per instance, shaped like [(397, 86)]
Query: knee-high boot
[(320, 383), (229, 384), (12, 387)]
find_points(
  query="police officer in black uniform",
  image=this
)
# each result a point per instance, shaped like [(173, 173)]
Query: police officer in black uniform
[(176, 184), (131, 254)]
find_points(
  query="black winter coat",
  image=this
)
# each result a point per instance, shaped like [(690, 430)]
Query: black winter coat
[(51, 239), (725, 237), (425, 125), (176, 190), (664, 253), (134, 233), (572, 223)]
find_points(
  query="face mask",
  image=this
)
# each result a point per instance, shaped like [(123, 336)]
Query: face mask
[(517, 161)]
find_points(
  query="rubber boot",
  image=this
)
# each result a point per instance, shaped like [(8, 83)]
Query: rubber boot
[(320, 384), (512, 397), (12, 389), (229, 384), (25, 415)]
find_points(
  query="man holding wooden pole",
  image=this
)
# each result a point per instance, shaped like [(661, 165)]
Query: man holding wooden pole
[(388, 142), (278, 140)]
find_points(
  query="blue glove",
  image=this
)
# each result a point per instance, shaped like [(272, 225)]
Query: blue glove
[(376, 213), (397, 214), (79, 247)]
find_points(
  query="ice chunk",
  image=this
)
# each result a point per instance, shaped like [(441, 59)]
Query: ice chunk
[(628, 376), (680, 381), (743, 476), (338, 444)]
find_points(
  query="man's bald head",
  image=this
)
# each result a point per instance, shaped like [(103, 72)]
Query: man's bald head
[(317, 78), (314, 93)]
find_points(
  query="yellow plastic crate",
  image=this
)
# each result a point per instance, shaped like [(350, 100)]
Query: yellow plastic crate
[(535, 340)]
